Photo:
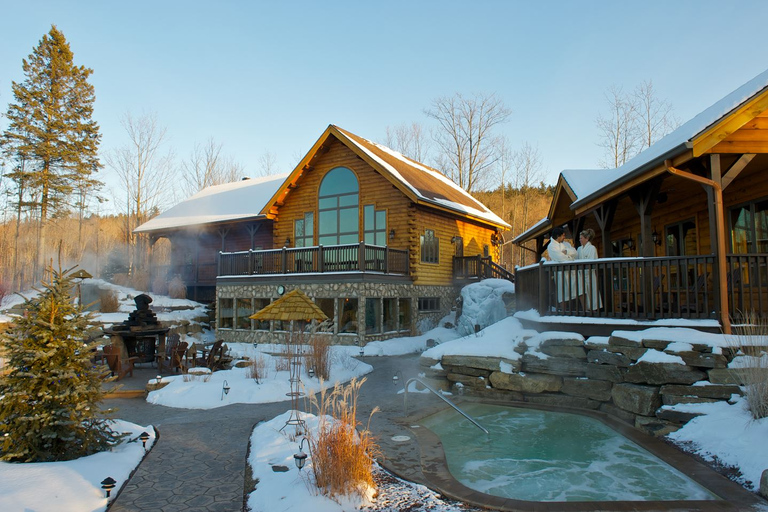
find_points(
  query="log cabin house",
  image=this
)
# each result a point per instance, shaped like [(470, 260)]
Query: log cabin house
[(380, 242), (681, 229)]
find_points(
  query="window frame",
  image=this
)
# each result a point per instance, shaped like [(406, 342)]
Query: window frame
[(429, 247), (339, 210)]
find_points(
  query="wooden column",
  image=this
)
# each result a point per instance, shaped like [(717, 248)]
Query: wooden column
[(604, 216), (644, 198)]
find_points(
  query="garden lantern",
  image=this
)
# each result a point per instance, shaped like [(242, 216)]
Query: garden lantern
[(396, 377), (300, 458), (362, 350), (311, 372), (224, 389), (108, 484), (159, 379), (144, 437)]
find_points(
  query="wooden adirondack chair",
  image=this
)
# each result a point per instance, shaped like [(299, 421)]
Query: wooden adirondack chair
[(213, 358), (118, 367), (177, 357)]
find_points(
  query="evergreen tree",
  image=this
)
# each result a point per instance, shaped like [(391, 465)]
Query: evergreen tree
[(50, 128), (49, 400)]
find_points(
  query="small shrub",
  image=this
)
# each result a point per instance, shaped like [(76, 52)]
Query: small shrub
[(257, 368), (121, 279), (177, 289), (140, 280), (197, 374), (160, 285), (319, 355), (108, 302), (750, 343), (342, 457)]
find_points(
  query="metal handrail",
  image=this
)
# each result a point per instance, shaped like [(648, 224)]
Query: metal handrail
[(439, 395)]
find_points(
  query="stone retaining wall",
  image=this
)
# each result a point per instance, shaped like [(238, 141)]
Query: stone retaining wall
[(600, 374)]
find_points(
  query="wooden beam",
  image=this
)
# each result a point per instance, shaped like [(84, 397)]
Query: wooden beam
[(731, 147), (644, 199), (735, 169), (728, 125), (604, 215)]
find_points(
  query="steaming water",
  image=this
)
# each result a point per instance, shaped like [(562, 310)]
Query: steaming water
[(551, 456)]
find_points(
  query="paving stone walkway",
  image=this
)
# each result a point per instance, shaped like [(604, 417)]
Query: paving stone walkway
[(198, 462)]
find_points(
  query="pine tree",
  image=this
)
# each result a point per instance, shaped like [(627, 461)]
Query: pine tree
[(50, 128), (49, 400)]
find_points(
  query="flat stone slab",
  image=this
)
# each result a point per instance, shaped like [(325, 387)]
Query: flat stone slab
[(605, 372), (594, 389), (662, 373), (642, 400), (607, 357), (718, 392), (562, 366), (528, 383), (486, 363)]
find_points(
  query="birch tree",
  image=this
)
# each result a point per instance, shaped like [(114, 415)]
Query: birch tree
[(408, 139)]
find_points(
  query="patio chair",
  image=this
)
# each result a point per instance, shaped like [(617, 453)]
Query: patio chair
[(118, 367), (213, 358), (178, 360)]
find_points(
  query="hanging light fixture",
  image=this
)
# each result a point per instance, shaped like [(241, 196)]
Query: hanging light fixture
[(108, 484), (224, 389), (300, 458)]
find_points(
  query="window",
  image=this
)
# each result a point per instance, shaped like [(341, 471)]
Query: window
[(303, 230), (375, 225), (347, 315), (749, 228), (680, 238), (242, 312), (390, 314), (326, 306), (258, 305), (427, 304), (372, 316), (404, 313), (430, 247), (226, 313), (338, 208)]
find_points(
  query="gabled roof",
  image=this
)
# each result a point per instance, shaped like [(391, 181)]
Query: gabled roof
[(422, 184), (218, 203)]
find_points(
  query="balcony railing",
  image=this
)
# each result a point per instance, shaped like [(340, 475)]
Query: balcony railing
[(305, 260), (644, 288), (479, 267)]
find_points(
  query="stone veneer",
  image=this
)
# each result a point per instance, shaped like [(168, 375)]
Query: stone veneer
[(567, 371), (359, 290)]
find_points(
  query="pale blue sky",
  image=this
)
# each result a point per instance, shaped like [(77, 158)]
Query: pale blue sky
[(270, 76)]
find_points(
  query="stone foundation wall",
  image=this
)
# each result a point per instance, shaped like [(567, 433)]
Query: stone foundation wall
[(360, 290), (600, 374)]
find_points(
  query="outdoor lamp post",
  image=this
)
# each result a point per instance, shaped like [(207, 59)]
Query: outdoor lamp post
[(224, 389), (362, 350), (144, 437), (395, 378), (159, 379), (300, 458), (108, 484), (311, 372)]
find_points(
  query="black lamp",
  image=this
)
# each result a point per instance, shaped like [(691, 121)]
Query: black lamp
[(656, 238), (630, 244), (396, 377), (144, 438), (391, 234), (108, 484), (224, 389), (287, 241), (300, 458), (311, 372)]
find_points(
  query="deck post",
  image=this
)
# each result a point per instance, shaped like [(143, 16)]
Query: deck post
[(543, 289)]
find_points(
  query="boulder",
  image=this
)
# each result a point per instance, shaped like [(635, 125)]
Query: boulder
[(467, 380), (682, 399), (693, 358), (655, 426), (606, 357), (678, 417), (563, 401), (605, 372), (621, 414), (527, 383), (764, 484), (617, 340), (727, 376), (642, 400), (482, 362), (633, 353), (718, 392), (563, 366), (563, 351), (494, 394), (594, 389), (662, 373), (467, 370), (656, 344)]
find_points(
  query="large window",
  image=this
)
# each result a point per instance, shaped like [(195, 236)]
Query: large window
[(430, 247), (404, 311), (243, 311), (680, 238), (749, 228), (347, 315), (372, 316), (303, 230), (375, 225), (226, 313), (258, 305), (338, 208)]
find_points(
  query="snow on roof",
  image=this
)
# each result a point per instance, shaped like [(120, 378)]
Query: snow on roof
[(425, 183), (218, 203), (540, 224), (589, 183)]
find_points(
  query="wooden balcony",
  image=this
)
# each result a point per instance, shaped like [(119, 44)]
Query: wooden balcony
[(315, 260), (469, 268), (644, 288)]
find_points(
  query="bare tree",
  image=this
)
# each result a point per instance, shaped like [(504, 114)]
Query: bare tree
[(146, 174), (464, 136), (408, 139), (655, 117), (267, 164), (206, 166), (528, 170)]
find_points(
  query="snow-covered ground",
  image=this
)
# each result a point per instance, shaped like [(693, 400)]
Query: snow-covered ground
[(725, 433)]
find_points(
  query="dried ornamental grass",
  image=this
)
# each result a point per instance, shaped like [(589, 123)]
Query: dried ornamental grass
[(342, 456), (177, 289), (319, 354), (751, 364), (257, 368), (108, 302)]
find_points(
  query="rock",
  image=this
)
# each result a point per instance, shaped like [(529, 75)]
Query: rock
[(633, 353), (606, 357), (655, 426), (153, 385), (605, 372), (562, 366), (494, 394), (725, 376), (563, 401), (466, 380), (616, 340), (492, 364), (642, 400), (700, 360), (621, 414), (528, 383), (678, 417), (764, 484), (719, 392), (656, 344), (679, 399), (564, 340), (428, 361), (662, 373), (563, 351), (594, 389), (467, 370)]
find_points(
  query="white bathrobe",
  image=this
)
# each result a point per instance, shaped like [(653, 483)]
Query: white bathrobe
[(565, 281), (587, 280)]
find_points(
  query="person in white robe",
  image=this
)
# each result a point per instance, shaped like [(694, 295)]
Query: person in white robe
[(561, 251), (588, 287)]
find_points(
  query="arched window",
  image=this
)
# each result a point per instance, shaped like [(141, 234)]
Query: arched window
[(338, 208)]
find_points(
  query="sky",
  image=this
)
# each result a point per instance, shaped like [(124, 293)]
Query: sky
[(271, 76)]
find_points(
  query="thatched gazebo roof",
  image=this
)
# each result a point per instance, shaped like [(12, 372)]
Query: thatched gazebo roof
[(294, 305)]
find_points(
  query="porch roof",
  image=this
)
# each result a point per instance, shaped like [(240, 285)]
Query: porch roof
[(218, 203)]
